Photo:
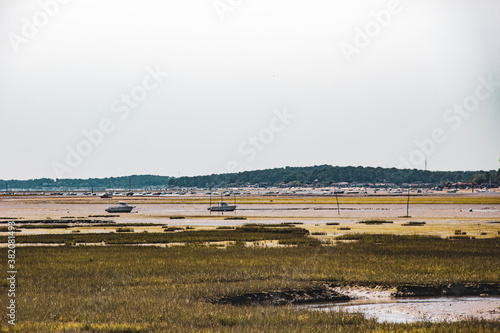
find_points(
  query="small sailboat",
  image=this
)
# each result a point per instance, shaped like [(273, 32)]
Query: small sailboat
[(222, 206)]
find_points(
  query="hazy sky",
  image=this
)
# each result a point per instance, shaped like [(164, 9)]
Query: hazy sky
[(84, 90)]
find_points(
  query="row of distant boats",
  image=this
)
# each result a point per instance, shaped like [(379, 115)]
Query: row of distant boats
[(261, 191), (129, 194), (229, 193)]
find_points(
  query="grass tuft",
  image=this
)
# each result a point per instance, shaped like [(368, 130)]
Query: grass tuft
[(375, 222), (124, 229), (410, 224)]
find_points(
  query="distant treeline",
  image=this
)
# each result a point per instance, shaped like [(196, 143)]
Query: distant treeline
[(322, 175), (326, 175), (98, 184)]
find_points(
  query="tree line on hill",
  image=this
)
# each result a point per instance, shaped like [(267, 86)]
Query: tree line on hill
[(326, 175), (489, 177), (322, 175), (97, 184)]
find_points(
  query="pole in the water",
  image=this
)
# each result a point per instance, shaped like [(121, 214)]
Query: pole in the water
[(338, 208), (408, 204), (210, 207)]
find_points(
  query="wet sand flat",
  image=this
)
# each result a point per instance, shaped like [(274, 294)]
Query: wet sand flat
[(378, 303), (53, 208), (440, 219)]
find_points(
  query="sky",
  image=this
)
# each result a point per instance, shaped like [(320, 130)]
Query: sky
[(103, 88)]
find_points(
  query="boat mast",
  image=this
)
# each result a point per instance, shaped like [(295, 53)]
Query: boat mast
[(220, 203), (210, 207)]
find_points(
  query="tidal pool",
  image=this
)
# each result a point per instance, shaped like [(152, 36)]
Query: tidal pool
[(419, 309)]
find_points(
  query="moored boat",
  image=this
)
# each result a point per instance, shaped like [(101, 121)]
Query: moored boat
[(122, 207), (222, 207)]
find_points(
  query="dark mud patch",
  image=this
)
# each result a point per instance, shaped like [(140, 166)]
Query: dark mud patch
[(284, 297), (471, 289), (330, 294)]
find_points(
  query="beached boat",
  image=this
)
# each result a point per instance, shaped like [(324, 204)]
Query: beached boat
[(351, 192), (222, 207), (122, 207)]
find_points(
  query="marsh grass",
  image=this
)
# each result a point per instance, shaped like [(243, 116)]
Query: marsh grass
[(124, 229), (461, 237), (144, 289), (300, 241), (171, 235), (49, 220), (375, 222), (5, 229), (109, 215), (45, 226), (412, 223), (172, 229), (270, 225), (129, 225)]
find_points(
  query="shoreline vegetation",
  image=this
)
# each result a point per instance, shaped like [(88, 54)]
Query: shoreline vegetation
[(196, 287), (319, 175)]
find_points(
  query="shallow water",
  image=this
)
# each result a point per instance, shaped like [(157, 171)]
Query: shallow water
[(422, 309)]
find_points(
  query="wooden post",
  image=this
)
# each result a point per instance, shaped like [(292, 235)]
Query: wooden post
[(408, 204), (338, 208)]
